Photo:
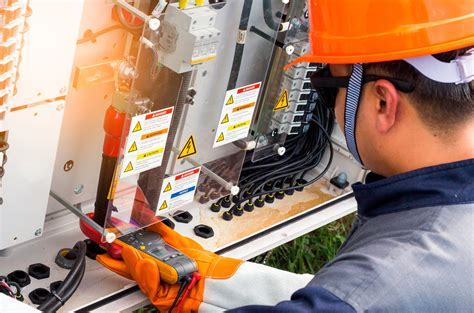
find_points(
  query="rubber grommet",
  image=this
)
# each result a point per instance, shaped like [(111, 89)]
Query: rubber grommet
[(249, 207), (226, 202), (66, 258), (39, 295), (280, 195), (270, 198), (215, 207), (20, 277), (182, 217), (93, 249), (167, 222), (227, 215), (259, 203), (204, 231), (38, 271), (238, 211)]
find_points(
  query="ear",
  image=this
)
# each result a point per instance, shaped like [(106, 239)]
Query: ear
[(387, 105)]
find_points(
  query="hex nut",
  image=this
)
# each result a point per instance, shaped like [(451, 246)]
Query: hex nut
[(19, 277), (38, 271), (204, 231), (55, 285), (39, 295), (182, 217)]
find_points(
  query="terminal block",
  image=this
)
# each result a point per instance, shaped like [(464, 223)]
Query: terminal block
[(188, 37)]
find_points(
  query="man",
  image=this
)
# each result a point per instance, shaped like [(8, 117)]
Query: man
[(407, 116)]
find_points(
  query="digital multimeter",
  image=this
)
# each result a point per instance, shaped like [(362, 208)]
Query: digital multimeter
[(173, 265)]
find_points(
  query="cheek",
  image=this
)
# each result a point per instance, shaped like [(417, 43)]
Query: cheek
[(339, 109)]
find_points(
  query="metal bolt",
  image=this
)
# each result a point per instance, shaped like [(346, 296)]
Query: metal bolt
[(63, 90), (79, 189), (154, 24), (68, 165), (290, 49), (38, 232)]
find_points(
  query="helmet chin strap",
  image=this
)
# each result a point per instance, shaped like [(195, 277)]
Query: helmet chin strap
[(354, 91)]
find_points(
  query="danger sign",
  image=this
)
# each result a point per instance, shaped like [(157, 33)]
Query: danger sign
[(146, 142), (237, 113), (178, 190)]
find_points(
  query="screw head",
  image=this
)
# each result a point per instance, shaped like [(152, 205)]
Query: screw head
[(68, 165), (290, 49), (38, 232), (79, 189), (154, 24)]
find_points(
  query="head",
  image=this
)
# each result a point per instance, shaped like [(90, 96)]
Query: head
[(401, 131), (389, 126)]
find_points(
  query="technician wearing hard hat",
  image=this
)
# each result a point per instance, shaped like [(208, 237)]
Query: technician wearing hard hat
[(400, 77)]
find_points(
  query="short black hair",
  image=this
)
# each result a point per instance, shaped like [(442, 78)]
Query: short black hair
[(441, 106)]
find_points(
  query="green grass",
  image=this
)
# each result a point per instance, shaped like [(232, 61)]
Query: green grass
[(306, 254)]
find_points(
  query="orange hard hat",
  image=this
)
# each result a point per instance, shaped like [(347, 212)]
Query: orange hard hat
[(364, 31)]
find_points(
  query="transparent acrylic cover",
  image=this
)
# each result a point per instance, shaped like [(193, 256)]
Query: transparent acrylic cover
[(273, 124), (190, 107)]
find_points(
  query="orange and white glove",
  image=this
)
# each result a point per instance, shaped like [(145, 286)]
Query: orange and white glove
[(225, 283)]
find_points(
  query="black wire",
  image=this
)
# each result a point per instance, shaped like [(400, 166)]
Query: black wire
[(311, 159), (181, 290), (70, 283)]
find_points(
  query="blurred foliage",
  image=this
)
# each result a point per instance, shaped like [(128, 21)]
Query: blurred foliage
[(308, 253)]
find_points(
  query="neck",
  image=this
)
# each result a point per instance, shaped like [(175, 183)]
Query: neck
[(427, 148)]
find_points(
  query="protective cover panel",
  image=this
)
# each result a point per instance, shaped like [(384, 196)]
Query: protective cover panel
[(189, 109)]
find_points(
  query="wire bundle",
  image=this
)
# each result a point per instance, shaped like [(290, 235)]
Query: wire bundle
[(284, 174), (70, 283), (10, 288)]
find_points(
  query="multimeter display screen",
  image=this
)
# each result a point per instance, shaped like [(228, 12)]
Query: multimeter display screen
[(162, 251)]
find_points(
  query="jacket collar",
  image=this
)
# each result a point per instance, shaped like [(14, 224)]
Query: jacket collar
[(445, 184)]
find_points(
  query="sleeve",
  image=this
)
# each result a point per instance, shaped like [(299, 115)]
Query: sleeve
[(308, 299), (252, 284)]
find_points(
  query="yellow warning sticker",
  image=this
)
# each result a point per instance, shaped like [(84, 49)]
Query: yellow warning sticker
[(239, 125), (129, 168), (146, 141), (225, 119), (282, 101), (164, 205), (238, 107), (168, 188), (137, 128), (188, 149), (230, 100), (220, 138), (133, 148), (150, 153)]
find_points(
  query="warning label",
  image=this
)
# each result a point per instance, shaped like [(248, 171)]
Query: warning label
[(282, 101), (237, 113), (188, 149), (146, 142), (178, 190)]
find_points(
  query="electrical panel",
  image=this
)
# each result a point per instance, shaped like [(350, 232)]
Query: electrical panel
[(152, 112)]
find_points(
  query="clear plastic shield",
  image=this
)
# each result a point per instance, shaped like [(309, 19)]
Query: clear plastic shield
[(190, 106), (287, 92)]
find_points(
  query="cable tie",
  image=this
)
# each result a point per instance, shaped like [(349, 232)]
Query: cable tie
[(57, 296)]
